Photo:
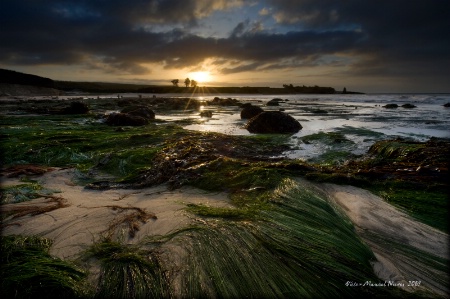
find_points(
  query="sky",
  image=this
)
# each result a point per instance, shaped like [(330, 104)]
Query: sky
[(372, 46)]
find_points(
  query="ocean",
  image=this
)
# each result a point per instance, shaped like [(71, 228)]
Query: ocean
[(338, 122)]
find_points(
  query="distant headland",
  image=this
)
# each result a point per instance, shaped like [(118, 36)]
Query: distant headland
[(17, 83)]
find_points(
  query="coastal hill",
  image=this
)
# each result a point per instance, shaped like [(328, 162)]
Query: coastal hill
[(16, 83)]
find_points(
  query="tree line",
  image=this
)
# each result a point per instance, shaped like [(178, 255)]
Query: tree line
[(187, 82), (308, 89)]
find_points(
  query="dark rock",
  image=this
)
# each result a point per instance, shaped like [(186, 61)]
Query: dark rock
[(206, 114), (409, 106), (274, 102), (273, 122), (246, 105), (446, 105), (224, 102), (250, 111), (391, 106), (76, 108), (319, 111), (125, 119), (142, 111)]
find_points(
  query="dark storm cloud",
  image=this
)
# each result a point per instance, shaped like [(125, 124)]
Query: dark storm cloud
[(383, 37), (402, 36)]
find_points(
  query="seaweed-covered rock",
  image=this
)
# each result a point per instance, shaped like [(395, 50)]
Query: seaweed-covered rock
[(142, 111), (250, 111), (273, 122), (391, 106), (125, 119)]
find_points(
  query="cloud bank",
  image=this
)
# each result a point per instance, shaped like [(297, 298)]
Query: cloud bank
[(370, 38)]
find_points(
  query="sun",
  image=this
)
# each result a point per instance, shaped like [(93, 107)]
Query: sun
[(200, 77)]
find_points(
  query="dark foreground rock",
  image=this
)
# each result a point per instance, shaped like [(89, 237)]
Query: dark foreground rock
[(250, 111), (391, 106), (273, 122)]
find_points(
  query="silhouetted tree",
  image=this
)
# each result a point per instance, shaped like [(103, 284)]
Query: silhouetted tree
[(187, 81), (175, 82), (193, 83)]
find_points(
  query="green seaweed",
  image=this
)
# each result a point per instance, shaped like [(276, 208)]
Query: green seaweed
[(234, 175), (28, 271), (67, 141), (298, 247), (428, 204), (432, 270), (127, 271)]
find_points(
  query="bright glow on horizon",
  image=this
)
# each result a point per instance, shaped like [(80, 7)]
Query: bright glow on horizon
[(200, 77)]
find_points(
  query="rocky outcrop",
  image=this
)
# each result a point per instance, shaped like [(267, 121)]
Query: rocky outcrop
[(273, 122), (125, 119), (142, 111), (75, 108), (223, 102), (250, 111)]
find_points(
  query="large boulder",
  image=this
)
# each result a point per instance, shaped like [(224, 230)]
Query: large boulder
[(125, 119), (250, 111), (273, 122), (142, 111)]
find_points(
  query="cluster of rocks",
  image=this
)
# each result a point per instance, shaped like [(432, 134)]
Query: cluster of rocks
[(223, 102), (393, 106)]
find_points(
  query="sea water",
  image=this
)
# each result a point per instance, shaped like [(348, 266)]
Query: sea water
[(360, 119)]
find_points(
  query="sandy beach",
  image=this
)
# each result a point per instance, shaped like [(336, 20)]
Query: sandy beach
[(78, 217)]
